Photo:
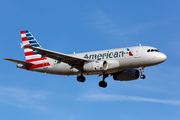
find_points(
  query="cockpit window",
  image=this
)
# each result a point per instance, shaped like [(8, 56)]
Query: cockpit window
[(156, 50), (152, 50)]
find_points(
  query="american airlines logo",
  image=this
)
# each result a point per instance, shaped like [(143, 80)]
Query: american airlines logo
[(129, 52), (108, 55)]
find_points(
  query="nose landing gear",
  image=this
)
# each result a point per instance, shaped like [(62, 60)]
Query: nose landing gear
[(142, 75)]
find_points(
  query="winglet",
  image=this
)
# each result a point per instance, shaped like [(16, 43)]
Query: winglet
[(22, 45)]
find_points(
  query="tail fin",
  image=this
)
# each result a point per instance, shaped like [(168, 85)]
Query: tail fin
[(31, 55), (28, 39)]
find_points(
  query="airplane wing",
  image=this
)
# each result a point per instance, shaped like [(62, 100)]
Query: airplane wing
[(60, 57), (18, 61)]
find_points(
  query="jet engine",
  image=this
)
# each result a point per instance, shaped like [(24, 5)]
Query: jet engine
[(101, 65), (126, 75), (112, 64), (95, 66)]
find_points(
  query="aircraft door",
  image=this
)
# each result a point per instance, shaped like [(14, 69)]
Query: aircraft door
[(138, 52)]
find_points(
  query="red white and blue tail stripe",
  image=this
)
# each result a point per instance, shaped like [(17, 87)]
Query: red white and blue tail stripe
[(31, 55), (28, 39)]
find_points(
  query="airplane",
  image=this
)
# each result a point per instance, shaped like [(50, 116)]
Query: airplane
[(121, 63)]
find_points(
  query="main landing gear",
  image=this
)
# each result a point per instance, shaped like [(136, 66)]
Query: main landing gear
[(142, 75), (81, 78), (103, 83)]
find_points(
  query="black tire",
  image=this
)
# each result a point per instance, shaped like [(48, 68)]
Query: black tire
[(143, 76), (103, 84), (81, 78)]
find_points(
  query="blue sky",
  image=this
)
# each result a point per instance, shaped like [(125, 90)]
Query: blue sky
[(66, 26)]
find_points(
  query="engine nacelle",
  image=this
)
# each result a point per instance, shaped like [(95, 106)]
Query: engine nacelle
[(101, 65), (95, 66), (112, 64), (126, 75)]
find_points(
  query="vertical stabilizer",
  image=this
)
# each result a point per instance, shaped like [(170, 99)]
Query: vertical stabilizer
[(28, 39), (31, 55)]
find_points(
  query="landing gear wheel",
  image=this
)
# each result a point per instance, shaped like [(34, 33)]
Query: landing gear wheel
[(142, 71), (103, 84), (81, 78), (143, 76)]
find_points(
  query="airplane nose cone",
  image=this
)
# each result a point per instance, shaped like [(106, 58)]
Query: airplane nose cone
[(162, 57)]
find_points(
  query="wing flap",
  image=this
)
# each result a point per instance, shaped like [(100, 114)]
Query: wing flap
[(18, 61)]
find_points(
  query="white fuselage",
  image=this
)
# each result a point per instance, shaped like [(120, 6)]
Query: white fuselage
[(140, 56)]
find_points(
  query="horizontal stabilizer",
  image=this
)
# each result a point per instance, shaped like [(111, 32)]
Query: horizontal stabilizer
[(17, 61)]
